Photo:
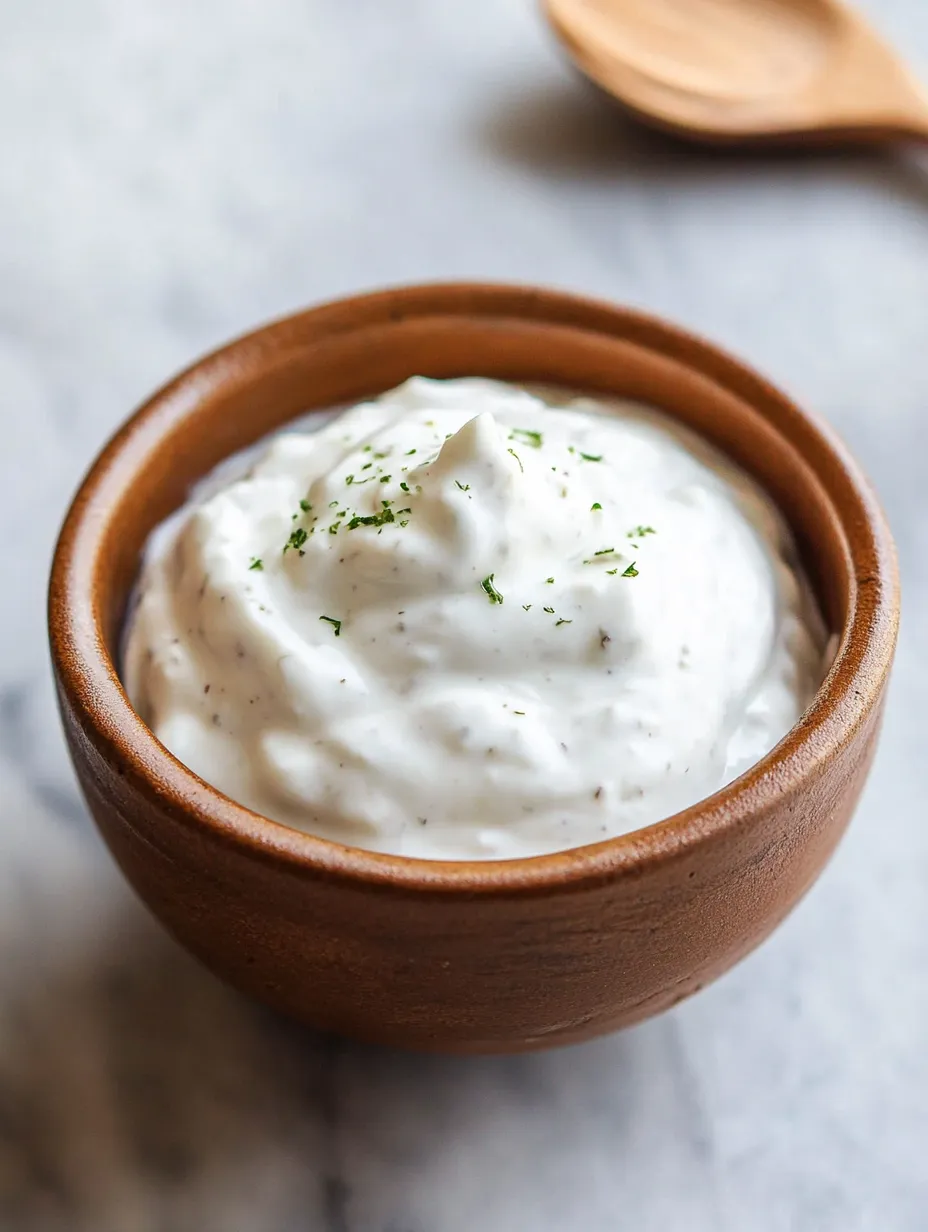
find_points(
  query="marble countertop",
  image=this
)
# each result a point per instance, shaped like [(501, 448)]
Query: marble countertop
[(173, 173)]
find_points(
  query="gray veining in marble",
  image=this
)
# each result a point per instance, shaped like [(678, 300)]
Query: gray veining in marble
[(173, 172)]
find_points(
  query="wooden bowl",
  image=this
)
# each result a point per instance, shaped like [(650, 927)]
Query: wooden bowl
[(469, 956)]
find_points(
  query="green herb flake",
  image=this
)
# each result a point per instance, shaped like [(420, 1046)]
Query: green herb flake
[(595, 505), (561, 621), (518, 459), (372, 519), (333, 529), (465, 487), (492, 593), (639, 532), (631, 571), (256, 563), (405, 486), (526, 607), (385, 478), (550, 611), (526, 436), (612, 572), (521, 712), (409, 453), (336, 624), (549, 580), (296, 541), (591, 457), (604, 551)]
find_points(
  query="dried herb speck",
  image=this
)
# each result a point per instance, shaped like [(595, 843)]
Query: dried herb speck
[(492, 593)]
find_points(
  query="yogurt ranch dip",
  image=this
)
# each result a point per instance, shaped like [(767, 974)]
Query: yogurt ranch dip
[(468, 621)]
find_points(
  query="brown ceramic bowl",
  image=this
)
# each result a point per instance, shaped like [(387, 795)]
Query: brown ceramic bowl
[(469, 956)]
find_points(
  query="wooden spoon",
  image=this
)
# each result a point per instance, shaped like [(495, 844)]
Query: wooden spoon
[(745, 70)]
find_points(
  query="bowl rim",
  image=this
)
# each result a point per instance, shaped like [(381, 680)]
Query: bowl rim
[(88, 681)]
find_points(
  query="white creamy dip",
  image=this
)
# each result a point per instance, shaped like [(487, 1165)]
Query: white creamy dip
[(460, 622)]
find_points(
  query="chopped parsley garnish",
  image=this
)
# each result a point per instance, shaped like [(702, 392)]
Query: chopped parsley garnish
[(522, 712), (604, 551), (527, 437), (591, 457), (336, 624), (550, 611), (305, 505), (256, 563), (492, 593), (404, 486), (562, 621), (332, 504), (612, 572), (631, 571), (518, 459), (526, 607), (296, 541), (549, 580), (372, 519), (596, 505), (333, 529), (409, 453), (465, 487), (385, 478), (639, 532)]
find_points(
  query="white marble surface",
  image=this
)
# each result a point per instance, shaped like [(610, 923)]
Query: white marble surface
[(173, 172)]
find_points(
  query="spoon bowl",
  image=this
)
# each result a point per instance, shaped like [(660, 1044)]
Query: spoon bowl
[(726, 71)]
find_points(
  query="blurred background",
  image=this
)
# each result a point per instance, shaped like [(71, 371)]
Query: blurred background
[(171, 174)]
